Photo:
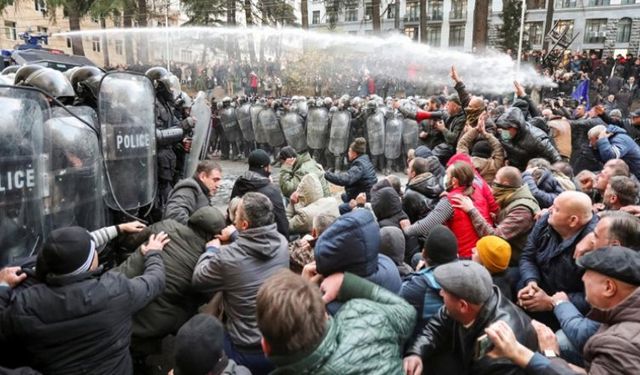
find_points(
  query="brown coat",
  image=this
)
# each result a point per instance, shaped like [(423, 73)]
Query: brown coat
[(615, 347), (560, 130), (486, 167)]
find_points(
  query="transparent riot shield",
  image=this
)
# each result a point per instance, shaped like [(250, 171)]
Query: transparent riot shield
[(244, 120), (375, 133), (317, 128), (294, 132), (409, 134), (258, 131), (269, 124), (22, 169), (230, 124), (393, 138), (74, 171), (339, 135), (202, 112), (127, 123)]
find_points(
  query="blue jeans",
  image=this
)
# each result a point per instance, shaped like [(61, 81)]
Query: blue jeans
[(568, 351), (254, 360)]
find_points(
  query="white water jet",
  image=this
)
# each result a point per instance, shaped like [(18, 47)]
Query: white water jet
[(394, 56)]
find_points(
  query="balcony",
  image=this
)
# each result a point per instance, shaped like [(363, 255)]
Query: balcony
[(434, 17), (458, 14)]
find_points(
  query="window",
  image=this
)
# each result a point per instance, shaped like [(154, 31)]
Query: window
[(411, 33), (456, 36), (117, 20), (434, 36), (628, 2), (41, 6), (413, 11), (44, 31), (598, 3), (368, 13), (391, 11), (68, 42), (534, 32), (595, 31), (624, 31), (566, 3), (434, 10), (536, 4), (10, 30), (566, 24), (458, 10), (351, 15), (314, 21), (95, 44), (119, 47)]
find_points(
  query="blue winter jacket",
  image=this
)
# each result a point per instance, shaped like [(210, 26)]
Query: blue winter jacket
[(619, 146)]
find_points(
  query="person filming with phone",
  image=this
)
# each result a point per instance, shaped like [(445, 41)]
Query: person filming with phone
[(454, 340)]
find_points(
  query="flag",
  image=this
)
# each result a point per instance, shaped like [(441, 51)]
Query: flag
[(581, 93)]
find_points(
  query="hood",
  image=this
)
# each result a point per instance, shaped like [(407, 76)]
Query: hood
[(523, 106), (190, 183), (301, 159), (264, 242), (615, 130), (309, 189), (392, 244), (460, 157), (250, 181), (513, 116), (350, 244), (426, 184), (208, 221), (386, 203), (626, 311)]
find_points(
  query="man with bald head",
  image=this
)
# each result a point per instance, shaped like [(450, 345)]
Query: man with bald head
[(547, 265)]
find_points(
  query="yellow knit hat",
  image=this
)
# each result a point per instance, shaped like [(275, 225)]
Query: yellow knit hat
[(494, 253)]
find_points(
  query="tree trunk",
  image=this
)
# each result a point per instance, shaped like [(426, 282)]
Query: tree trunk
[(143, 42), (481, 25), (105, 43), (127, 22), (231, 12), (248, 14), (74, 25), (375, 15), (547, 24), (423, 21), (304, 13)]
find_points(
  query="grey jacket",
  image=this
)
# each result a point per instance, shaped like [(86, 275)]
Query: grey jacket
[(185, 199), (238, 270)]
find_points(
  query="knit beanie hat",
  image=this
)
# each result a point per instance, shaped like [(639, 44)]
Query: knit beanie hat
[(258, 159), (441, 245), (199, 347), (66, 252), (494, 253), (359, 146), (481, 149)]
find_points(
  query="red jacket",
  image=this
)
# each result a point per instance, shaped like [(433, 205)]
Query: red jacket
[(485, 202), (462, 226)]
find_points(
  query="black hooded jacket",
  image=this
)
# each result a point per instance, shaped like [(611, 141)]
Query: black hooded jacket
[(254, 181)]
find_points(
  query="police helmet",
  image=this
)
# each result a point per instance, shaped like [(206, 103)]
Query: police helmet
[(86, 81), (25, 71), (328, 101), (51, 81), (184, 101), (160, 77), (10, 69)]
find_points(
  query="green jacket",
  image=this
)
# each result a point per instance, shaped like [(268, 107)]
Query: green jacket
[(178, 302), (290, 177), (367, 335)]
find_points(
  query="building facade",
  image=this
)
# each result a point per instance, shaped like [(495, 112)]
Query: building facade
[(603, 25)]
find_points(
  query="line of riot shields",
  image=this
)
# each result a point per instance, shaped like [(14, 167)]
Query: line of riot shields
[(70, 166)]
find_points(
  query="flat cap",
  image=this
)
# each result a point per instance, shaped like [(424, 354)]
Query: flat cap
[(466, 279), (620, 263)]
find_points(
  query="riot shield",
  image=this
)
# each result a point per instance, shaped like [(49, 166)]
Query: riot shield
[(409, 134), (258, 131), (202, 112), (269, 124), (317, 128), (22, 171), (375, 133), (127, 122), (303, 108), (244, 120), (393, 138), (294, 132), (340, 129), (230, 124), (74, 171)]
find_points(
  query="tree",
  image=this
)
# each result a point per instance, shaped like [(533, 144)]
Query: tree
[(509, 32), (548, 23), (375, 15), (75, 10), (481, 25), (423, 21), (304, 13)]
